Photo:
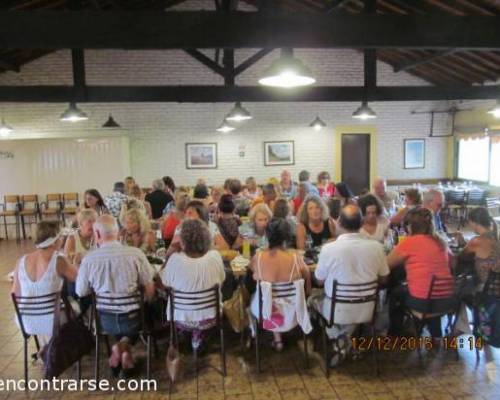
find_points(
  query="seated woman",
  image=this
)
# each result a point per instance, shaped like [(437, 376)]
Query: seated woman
[(315, 225), (215, 194), (279, 265), (484, 248), (228, 224), (175, 217), (344, 193), (137, 232), (81, 241), (302, 192), (375, 225), (424, 255), (43, 272), (129, 182), (94, 200), (255, 229), (137, 194), (252, 191), (200, 192), (282, 210), (194, 269), (413, 199), (325, 186)]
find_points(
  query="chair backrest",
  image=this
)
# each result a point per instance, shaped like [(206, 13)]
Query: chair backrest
[(29, 202), (280, 290), (54, 200), (353, 293), (35, 306), (493, 203), (113, 304), (11, 202), (441, 288), (476, 198), (194, 301), (455, 197), (72, 196)]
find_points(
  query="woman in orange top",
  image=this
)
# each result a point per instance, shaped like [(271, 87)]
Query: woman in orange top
[(175, 217), (425, 255)]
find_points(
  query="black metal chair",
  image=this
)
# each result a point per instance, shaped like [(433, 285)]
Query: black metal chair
[(279, 291), (349, 293), (196, 301), (475, 198), (455, 203), (106, 303), (33, 307), (440, 288)]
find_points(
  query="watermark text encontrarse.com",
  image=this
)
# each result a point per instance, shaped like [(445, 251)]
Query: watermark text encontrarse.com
[(74, 385)]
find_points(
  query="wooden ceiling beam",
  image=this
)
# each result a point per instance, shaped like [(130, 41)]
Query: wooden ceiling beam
[(211, 94), (173, 30)]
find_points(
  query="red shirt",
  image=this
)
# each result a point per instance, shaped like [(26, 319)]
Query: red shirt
[(329, 191), (297, 202), (169, 226), (424, 258)]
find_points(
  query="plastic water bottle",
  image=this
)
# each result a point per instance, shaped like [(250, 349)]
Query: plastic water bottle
[(309, 243)]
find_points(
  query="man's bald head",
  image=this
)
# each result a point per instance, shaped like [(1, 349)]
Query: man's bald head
[(379, 187), (106, 228), (350, 218)]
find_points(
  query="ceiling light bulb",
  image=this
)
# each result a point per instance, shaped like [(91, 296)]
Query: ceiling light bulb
[(287, 72), (364, 112), (495, 111), (5, 130), (238, 113), (317, 124), (73, 114), (225, 127)]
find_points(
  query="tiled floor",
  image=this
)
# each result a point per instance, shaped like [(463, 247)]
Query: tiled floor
[(401, 376)]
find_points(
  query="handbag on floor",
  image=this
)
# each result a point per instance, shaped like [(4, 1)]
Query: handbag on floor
[(69, 342), (235, 309)]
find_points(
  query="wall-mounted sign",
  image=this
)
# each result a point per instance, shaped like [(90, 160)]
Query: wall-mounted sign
[(6, 154)]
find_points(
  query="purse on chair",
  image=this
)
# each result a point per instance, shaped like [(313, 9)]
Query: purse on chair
[(69, 342)]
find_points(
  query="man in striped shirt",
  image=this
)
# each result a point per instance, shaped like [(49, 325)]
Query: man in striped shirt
[(116, 273)]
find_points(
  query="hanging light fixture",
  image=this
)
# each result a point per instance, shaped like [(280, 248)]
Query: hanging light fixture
[(238, 113), (111, 123), (73, 114), (287, 72), (495, 111), (364, 112), (225, 127), (317, 124), (5, 130)]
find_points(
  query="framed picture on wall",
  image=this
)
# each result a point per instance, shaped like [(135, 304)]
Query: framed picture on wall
[(414, 153), (201, 155), (279, 153)]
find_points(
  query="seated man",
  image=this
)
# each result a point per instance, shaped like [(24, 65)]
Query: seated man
[(115, 271), (389, 199), (351, 259)]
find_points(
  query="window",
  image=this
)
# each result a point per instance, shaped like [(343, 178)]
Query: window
[(495, 163), (474, 159)]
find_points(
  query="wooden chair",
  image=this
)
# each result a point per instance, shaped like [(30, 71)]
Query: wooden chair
[(33, 307), (52, 206), (197, 301), (29, 208), (345, 294), (70, 205), (10, 209), (282, 291), (106, 303)]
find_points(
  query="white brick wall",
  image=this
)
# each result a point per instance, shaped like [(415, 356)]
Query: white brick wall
[(158, 132)]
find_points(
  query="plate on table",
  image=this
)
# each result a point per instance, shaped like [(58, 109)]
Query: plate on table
[(240, 263)]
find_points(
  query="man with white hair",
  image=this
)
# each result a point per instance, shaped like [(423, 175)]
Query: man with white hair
[(389, 198), (116, 271), (433, 200), (158, 198)]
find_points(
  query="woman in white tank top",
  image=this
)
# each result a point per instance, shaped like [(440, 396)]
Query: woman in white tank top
[(42, 272), (82, 240)]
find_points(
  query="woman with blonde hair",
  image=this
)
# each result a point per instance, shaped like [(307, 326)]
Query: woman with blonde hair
[(252, 191), (255, 229), (137, 194), (315, 225), (129, 182), (175, 216), (137, 231), (81, 241)]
